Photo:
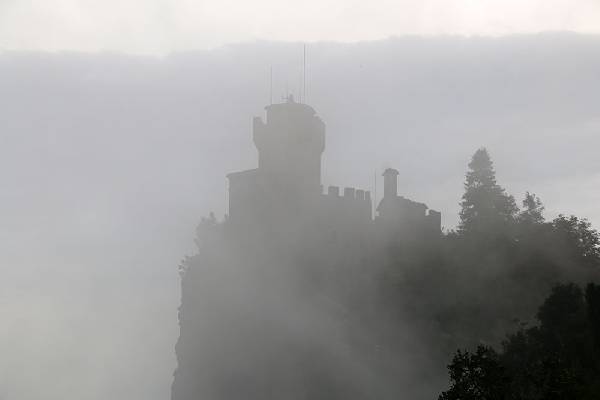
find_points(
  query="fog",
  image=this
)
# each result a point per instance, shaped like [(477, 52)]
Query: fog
[(109, 161)]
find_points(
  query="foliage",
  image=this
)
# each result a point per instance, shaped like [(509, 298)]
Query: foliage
[(579, 238), (485, 204), (556, 360), (477, 376), (533, 210), (490, 276)]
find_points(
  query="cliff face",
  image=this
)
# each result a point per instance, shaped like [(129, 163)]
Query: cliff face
[(267, 316)]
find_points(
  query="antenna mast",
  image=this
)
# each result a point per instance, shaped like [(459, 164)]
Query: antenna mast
[(375, 193), (271, 86), (304, 75)]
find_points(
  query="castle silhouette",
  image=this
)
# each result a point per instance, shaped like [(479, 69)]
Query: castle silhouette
[(287, 182), (275, 303)]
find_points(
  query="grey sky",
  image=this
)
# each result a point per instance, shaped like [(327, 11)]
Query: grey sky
[(107, 162), (161, 26)]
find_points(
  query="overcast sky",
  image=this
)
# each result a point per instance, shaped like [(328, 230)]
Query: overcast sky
[(107, 162), (162, 26)]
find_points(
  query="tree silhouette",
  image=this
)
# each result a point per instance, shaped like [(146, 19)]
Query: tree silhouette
[(533, 209), (579, 238), (476, 376), (485, 204), (592, 298), (557, 360)]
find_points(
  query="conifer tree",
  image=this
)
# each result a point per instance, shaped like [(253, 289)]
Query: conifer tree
[(533, 209), (485, 205)]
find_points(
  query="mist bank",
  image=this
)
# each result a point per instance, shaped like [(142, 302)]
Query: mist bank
[(422, 105), (108, 161)]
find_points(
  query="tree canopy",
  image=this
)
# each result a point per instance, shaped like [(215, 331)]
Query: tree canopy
[(558, 359), (485, 204)]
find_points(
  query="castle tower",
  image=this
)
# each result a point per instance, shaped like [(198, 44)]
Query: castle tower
[(290, 144), (390, 183)]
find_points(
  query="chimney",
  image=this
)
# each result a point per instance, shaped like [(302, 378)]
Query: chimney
[(390, 183)]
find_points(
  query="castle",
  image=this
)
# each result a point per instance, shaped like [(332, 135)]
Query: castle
[(287, 182), (276, 304)]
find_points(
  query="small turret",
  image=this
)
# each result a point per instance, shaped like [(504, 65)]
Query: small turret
[(390, 183), (401, 215)]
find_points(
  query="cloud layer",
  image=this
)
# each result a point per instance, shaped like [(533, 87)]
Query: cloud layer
[(163, 26)]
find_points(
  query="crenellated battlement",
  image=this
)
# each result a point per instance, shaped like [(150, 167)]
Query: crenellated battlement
[(333, 191), (349, 193), (352, 206)]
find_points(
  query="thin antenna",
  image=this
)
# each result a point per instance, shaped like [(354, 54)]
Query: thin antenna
[(375, 193), (271, 87), (304, 76)]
